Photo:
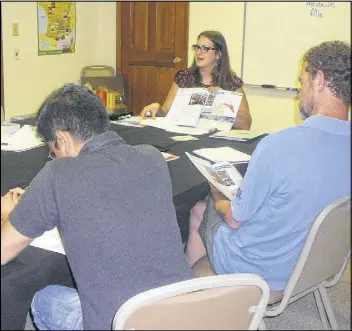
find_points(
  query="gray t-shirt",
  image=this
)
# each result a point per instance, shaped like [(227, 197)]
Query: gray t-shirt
[(113, 206)]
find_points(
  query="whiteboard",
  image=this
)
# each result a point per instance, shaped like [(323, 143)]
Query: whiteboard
[(277, 34)]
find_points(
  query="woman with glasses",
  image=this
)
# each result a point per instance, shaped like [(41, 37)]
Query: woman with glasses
[(210, 69)]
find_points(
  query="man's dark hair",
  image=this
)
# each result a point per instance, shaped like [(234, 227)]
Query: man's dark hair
[(333, 59), (75, 109)]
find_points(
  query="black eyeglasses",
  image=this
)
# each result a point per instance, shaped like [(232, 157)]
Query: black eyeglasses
[(51, 155), (203, 49)]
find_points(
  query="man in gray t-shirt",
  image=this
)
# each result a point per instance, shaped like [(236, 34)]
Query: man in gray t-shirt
[(112, 204)]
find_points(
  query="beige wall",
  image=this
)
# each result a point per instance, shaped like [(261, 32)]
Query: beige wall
[(271, 110), (28, 80)]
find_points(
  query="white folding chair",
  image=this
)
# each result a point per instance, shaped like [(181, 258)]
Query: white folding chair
[(321, 262), (224, 302)]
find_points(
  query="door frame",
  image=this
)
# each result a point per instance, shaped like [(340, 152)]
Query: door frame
[(185, 31)]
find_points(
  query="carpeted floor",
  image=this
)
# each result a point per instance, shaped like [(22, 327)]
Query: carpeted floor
[(303, 314)]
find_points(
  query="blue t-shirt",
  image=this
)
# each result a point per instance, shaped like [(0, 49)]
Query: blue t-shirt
[(292, 176)]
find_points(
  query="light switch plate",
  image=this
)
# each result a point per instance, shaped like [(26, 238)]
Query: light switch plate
[(15, 29)]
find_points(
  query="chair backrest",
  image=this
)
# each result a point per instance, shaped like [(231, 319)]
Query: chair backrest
[(326, 250), (222, 302), (97, 71)]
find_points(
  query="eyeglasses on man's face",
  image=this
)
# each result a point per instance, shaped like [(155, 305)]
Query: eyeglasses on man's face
[(51, 155), (203, 49)]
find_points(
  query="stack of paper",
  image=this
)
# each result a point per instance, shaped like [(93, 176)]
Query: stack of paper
[(238, 135), (22, 140), (223, 154)]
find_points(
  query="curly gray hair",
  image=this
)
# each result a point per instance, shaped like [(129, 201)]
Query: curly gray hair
[(333, 58)]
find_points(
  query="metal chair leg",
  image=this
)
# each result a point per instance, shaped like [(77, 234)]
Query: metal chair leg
[(321, 310), (328, 308), (261, 325)]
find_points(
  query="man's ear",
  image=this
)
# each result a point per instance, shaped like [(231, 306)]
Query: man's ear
[(320, 81), (65, 142)]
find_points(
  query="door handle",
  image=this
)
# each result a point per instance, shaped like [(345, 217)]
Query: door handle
[(177, 59)]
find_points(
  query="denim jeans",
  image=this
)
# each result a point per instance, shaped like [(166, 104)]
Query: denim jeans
[(57, 308)]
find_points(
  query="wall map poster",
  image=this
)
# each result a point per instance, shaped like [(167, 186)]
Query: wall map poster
[(56, 27)]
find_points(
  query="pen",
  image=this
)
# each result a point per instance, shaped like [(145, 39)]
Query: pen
[(212, 131)]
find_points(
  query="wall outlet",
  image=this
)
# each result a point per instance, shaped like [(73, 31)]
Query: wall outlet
[(15, 29)]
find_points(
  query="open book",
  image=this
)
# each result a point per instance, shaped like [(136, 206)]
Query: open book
[(223, 175), (196, 107)]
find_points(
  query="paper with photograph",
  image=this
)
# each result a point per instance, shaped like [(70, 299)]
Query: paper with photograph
[(187, 106), (223, 175), (197, 107)]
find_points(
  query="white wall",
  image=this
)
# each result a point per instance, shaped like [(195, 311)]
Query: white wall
[(28, 80), (271, 110)]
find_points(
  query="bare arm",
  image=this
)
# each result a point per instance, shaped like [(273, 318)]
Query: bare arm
[(12, 242), (243, 119), (223, 207), (156, 109), (170, 98)]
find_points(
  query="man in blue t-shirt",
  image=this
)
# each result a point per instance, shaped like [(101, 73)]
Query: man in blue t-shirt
[(292, 176)]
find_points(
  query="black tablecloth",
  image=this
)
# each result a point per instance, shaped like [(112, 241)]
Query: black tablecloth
[(35, 268)]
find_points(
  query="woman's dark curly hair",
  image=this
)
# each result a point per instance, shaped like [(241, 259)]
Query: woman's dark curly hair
[(333, 59)]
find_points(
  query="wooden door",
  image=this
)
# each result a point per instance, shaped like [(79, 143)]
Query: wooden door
[(154, 45)]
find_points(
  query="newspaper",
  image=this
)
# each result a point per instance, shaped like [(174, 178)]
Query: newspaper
[(223, 175), (197, 107)]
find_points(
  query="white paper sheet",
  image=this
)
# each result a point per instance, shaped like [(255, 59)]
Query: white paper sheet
[(50, 241), (187, 106), (22, 140), (161, 123), (223, 154)]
